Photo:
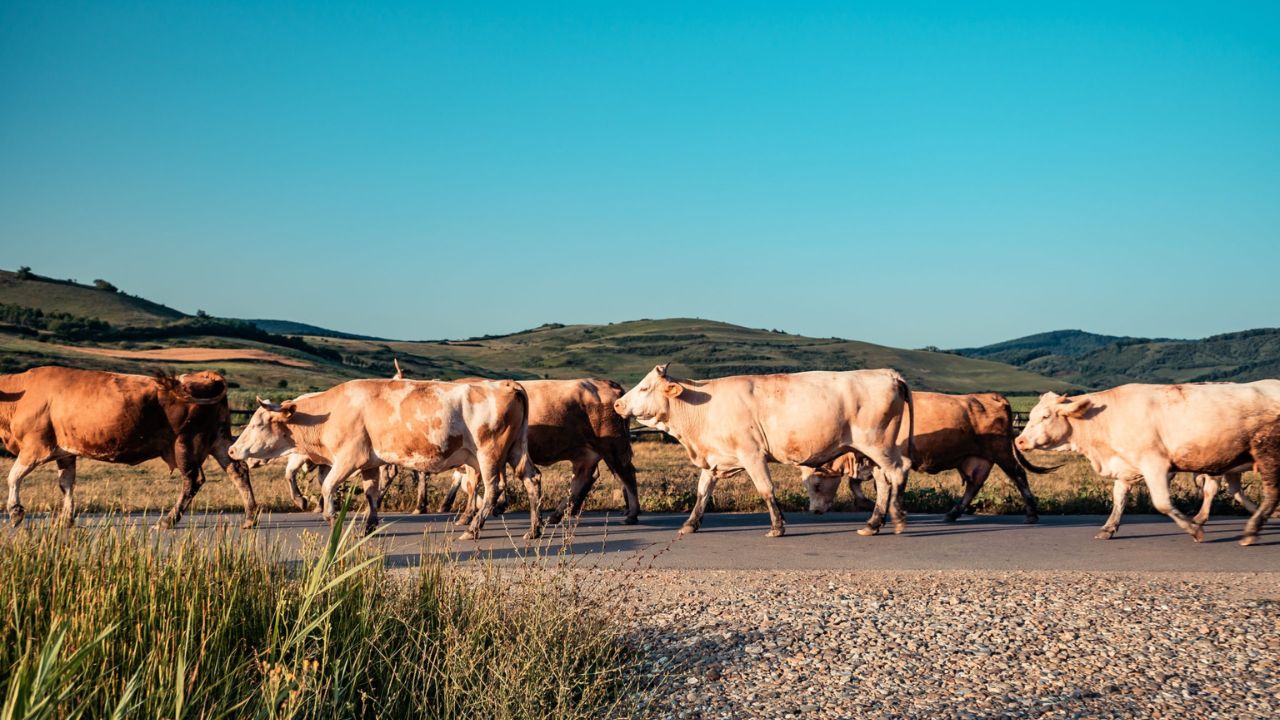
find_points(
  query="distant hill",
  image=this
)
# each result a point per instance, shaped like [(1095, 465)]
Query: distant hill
[(1237, 357), (703, 348), (288, 357), (1067, 343), (288, 327), (65, 296)]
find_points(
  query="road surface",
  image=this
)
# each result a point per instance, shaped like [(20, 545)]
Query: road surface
[(733, 541)]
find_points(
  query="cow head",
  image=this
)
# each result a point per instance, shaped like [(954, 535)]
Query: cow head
[(267, 435), (1048, 425), (649, 402), (822, 488)]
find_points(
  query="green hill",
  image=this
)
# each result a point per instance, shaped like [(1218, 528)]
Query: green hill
[(310, 357), (698, 348), (1236, 357), (69, 297), (1065, 343)]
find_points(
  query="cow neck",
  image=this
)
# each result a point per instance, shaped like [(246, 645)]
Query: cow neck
[(1082, 435), (683, 421), (306, 437)]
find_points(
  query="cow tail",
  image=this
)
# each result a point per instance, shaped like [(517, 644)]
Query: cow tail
[(905, 391), (1030, 466), (519, 458)]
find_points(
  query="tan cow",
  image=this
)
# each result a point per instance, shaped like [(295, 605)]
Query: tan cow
[(571, 420), (1149, 432), (61, 414), (966, 433), (741, 423), (362, 425)]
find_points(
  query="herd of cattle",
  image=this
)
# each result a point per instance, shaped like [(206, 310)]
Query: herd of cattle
[(861, 424)]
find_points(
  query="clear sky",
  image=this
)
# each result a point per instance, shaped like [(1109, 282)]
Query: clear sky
[(905, 173)]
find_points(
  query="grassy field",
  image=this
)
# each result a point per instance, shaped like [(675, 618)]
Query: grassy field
[(667, 484), (132, 625)]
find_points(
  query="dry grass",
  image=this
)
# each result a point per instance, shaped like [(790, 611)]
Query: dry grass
[(667, 484)]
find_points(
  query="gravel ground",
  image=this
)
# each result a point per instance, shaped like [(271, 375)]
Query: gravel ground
[(738, 644)]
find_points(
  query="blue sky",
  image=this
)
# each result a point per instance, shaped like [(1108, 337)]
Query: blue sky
[(905, 173)]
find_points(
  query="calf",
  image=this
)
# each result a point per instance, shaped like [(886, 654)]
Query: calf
[(741, 423), (967, 433), (61, 414), (1149, 432), (362, 425)]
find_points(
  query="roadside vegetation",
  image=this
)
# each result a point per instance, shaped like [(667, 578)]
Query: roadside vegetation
[(118, 623)]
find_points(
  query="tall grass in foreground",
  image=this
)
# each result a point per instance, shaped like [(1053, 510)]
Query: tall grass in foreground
[(115, 623)]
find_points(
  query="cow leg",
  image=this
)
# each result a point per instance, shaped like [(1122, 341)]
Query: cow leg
[(758, 470), (1119, 492), (897, 478), (533, 489), (1156, 473), (337, 472), (189, 468), (1016, 473), (422, 479), (290, 477), (619, 463), (1233, 487), (860, 499), (974, 472), (19, 470), (67, 481), (706, 486), (585, 474), (1266, 456), (446, 503), (239, 474), (1209, 490), (470, 488), (373, 487), (490, 472), (876, 520)]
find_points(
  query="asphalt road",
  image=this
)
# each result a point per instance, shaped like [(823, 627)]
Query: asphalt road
[(729, 541)]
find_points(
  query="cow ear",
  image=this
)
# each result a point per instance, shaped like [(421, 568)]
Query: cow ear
[(287, 409), (1074, 408), (672, 390)]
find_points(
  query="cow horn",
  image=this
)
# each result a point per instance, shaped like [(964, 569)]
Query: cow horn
[(399, 373), (662, 369), (273, 407)]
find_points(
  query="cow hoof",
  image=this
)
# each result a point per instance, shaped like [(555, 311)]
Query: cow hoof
[(16, 513), (631, 520), (1032, 519), (687, 529), (555, 518), (1248, 540), (868, 531), (899, 528), (1104, 534), (421, 510), (775, 532), (532, 535), (468, 535), (164, 523), (249, 523), (1197, 534), (951, 517)]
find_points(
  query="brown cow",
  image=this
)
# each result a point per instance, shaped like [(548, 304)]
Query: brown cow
[(1149, 432), (570, 420), (61, 414), (362, 425), (966, 433), (741, 423)]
